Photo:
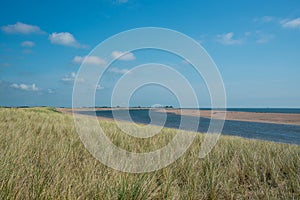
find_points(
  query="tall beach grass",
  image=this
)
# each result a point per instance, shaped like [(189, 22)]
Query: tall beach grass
[(42, 157)]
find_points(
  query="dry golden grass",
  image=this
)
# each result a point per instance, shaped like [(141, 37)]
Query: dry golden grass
[(42, 157)]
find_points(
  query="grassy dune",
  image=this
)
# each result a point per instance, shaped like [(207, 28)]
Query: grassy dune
[(41, 156)]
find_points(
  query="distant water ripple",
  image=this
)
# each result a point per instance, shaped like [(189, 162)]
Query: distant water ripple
[(254, 130)]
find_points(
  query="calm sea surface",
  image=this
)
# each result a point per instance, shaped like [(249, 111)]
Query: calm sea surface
[(254, 130)]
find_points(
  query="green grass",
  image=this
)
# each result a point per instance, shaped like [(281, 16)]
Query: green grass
[(42, 157)]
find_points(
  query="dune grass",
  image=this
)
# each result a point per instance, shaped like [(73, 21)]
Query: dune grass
[(42, 157)]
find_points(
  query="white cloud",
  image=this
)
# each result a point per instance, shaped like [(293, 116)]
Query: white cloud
[(50, 91), (21, 28), (99, 87), (285, 23), (258, 36), (25, 87), (294, 23), (119, 71), (65, 39), (263, 37), (93, 60), (71, 78), (27, 44), (126, 56), (227, 39)]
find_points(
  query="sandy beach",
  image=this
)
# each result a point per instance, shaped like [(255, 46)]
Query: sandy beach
[(275, 118)]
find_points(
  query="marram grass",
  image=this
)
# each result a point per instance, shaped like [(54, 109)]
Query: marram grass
[(42, 157)]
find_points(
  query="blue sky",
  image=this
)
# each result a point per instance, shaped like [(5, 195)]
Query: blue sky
[(255, 45)]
